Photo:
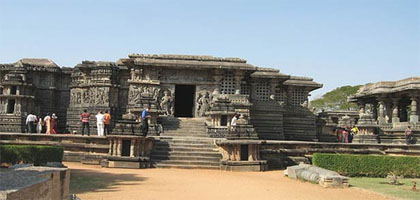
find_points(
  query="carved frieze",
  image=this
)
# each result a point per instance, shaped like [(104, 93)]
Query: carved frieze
[(176, 75), (137, 92)]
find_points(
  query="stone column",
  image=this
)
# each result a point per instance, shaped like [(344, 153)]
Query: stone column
[(218, 77), (119, 147), (254, 90), (395, 117), (238, 78), (110, 147), (414, 118), (388, 106), (114, 146), (273, 84), (381, 112), (132, 145)]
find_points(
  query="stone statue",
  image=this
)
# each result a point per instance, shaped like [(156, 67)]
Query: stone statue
[(166, 103), (204, 104), (305, 104)]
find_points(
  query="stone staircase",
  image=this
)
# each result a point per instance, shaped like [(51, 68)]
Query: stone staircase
[(185, 144)]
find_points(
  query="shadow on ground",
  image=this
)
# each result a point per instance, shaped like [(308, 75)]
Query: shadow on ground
[(82, 181)]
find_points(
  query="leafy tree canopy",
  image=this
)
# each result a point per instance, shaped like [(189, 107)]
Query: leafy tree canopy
[(336, 99)]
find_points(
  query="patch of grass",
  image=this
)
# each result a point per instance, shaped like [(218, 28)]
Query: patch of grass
[(380, 185)]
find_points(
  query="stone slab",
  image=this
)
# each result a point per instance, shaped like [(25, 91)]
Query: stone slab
[(124, 164)]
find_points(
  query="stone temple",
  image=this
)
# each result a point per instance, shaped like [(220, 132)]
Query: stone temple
[(174, 86)]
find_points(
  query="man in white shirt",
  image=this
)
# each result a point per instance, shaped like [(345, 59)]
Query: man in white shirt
[(31, 119), (100, 123), (234, 119)]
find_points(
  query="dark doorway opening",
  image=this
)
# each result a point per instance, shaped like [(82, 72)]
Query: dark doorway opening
[(184, 100), (126, 148), (223, 120), (244, 152), (10, 106)]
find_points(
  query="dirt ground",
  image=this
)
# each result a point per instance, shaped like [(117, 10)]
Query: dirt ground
[(94, 182)]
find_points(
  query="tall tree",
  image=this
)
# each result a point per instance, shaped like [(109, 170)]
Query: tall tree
[(336, 99)]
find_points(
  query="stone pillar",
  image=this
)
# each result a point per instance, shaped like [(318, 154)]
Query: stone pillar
[(254, 90), (273, 84), (218, 77), (119, 147), (114, 146), (395, 117), (381, 112), (388, 106), (132, 145), (110, 147), (414, 118), (238, 78)]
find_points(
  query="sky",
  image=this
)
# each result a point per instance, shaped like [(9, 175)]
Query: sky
[(335, 42)]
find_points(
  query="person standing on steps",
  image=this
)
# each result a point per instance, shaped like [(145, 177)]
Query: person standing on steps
[(408, 135), (84, 117), (100, 123), (107, 123), (145, 116)]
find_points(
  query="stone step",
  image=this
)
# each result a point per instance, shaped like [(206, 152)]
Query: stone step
[(162, 165), (162, 145), (180, 153), (184, 134), (186, 162), (161, 157), (185, 149)]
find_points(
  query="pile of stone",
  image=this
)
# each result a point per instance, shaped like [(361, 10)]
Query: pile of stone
[(326, 178)]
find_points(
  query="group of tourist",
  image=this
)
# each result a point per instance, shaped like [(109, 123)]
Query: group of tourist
[(103, 122), (37, 124), (345, 135)]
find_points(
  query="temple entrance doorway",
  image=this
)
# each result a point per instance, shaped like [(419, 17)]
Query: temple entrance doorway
[(184, 100)]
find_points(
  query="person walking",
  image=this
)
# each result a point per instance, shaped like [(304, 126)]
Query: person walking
[(47, 120), (54, 123), (39, 125), (408, 135), (100, 123), (84, 118), (30, 122), (145, 119), (107, 123)]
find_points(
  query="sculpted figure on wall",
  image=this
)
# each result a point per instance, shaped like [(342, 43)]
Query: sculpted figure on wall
[(166, 103), (137, 92), (136, 74), (203, 102)]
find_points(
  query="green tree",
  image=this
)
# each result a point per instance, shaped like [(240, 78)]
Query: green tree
[(336, 99)]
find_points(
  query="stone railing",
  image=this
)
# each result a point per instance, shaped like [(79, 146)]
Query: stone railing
[(239, 99), (218, 132)]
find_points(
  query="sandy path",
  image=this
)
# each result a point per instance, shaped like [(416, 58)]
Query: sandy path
[(203, 184)]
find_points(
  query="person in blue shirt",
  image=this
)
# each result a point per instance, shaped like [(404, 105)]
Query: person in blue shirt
[(145, 119)]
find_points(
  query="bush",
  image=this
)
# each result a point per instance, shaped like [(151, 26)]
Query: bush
[(368, 165), (37, 155)]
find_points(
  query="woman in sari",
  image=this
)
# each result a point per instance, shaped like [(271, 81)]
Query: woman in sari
[(54, 122), (47, 121)]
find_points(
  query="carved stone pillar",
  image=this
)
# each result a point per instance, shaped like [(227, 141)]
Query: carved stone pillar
[(132, 145), (218, 77), (111, 146), (254, 90), (114, 146), (119, 146), (239, 75), (388, 106), (395, 117), (414, 118), (381, 112), (273, 85)]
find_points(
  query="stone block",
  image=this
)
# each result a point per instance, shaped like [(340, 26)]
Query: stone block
[(124, 164), (295, 171), (333, 181)]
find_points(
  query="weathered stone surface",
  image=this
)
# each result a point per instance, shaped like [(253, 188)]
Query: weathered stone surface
[(34, 183)]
